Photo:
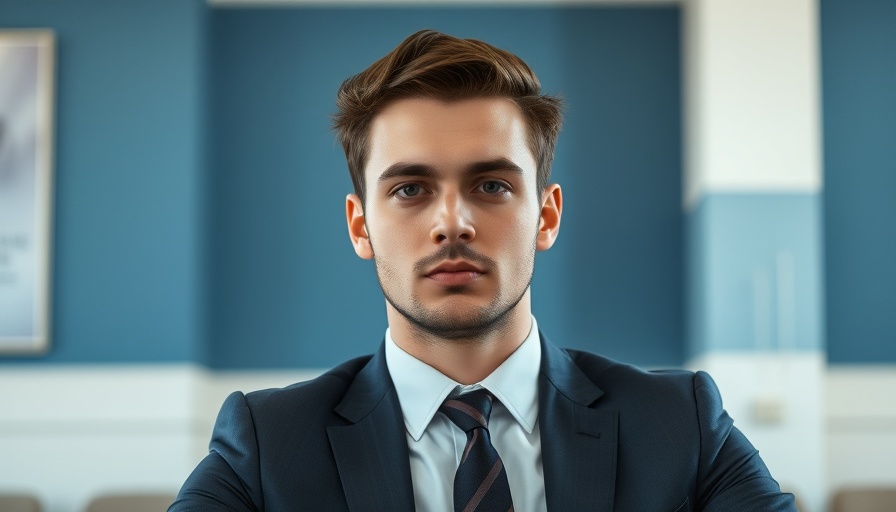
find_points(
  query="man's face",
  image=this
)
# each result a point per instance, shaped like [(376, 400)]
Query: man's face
[(452, 213)]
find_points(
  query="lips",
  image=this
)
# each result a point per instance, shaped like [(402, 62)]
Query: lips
[(455, 273)]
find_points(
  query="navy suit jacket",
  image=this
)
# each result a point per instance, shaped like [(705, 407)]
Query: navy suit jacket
[(614, 438)]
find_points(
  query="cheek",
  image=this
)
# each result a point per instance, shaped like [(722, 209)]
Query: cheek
[(397, 239), (516, 237)]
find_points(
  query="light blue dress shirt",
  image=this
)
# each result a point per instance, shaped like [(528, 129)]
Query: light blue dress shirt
[(436, 445)]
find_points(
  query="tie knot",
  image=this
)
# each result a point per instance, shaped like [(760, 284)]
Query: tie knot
[(469, 410)]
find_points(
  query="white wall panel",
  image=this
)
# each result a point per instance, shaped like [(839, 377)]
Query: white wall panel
[(776, 400), (860, 404), (751, 96), (69, 433)]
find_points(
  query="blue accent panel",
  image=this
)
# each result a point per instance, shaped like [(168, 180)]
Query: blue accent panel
[(616, 279), (754, 273), (128, 241), (859, 98), (286, 288)]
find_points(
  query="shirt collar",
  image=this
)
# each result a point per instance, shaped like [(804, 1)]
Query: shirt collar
[(421, 388)]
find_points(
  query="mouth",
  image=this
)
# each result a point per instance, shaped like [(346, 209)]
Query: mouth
[(455, 273)]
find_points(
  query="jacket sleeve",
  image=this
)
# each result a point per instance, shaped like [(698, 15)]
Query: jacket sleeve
[(228, 478), (731, 476)]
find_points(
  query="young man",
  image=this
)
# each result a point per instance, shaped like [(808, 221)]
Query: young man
[(467, 405)]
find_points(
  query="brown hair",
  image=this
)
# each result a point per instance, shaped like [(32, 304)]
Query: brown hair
[(431, 64)]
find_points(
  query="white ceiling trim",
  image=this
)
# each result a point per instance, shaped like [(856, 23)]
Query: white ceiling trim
[(437, 3)]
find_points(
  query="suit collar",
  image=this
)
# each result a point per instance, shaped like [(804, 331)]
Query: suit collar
[(371, 452), (579, 438), (566, 377), (367, 390)]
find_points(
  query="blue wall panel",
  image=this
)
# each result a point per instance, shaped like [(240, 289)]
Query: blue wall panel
[(128, 243), (199, 217), (859, 95), (621, 242), (148, 255), (755, 278), (287, 289)]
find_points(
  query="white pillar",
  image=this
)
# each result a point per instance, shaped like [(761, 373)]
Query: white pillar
[(752, 165), (751, 96)]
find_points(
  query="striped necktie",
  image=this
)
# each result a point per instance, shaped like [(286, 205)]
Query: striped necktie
[(481, 481)]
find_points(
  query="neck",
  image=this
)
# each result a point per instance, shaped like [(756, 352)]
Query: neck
[(466, 360)]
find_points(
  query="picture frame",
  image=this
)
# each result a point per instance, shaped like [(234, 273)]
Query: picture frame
[(27, 105)]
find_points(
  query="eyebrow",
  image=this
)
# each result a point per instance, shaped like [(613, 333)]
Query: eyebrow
[(402, 169)]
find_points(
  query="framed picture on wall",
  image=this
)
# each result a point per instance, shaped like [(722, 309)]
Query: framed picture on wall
[(26, 188)]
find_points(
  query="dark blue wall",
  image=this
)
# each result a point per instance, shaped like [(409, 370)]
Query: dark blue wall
[(287, 289), (237, 256), (200, 217), (859, 95), (127, 281)]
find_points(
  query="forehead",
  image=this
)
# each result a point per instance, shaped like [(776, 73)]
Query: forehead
[(448, 134)]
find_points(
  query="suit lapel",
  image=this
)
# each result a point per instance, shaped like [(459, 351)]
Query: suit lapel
[(578, 442), (372, 453)]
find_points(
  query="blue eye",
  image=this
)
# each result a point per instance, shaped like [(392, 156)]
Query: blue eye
[(409, 190), (493, 187)]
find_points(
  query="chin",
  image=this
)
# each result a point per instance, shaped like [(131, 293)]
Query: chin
[(458, 321)]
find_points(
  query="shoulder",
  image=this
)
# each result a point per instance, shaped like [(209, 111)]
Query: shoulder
[(306, 399), (678, 399), (715, 462), (614, 376), (675, 391), (332, 381)]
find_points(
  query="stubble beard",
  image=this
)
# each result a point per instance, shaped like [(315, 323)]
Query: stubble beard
[(441, 323)]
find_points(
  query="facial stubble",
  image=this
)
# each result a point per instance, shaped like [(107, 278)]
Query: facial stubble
[(435, 323)]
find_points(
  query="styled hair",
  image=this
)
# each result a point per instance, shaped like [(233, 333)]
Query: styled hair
[(429, 64)]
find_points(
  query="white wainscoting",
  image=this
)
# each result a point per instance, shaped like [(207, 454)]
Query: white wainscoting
[(860, 425), (70, 432), (776, 400)]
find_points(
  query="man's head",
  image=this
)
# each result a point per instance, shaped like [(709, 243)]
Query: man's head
[(450, 142), (429, 64)]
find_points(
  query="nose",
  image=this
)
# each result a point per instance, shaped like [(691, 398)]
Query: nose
[(453, 221)]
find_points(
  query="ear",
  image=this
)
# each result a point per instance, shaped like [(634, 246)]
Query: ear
[(357, 229), (549, 224)]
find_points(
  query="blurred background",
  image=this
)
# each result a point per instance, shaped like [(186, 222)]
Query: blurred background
[(729, 172)]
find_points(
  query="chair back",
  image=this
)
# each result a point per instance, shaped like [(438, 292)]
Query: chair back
[(131, 503), (19, 503), (864, 499)]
